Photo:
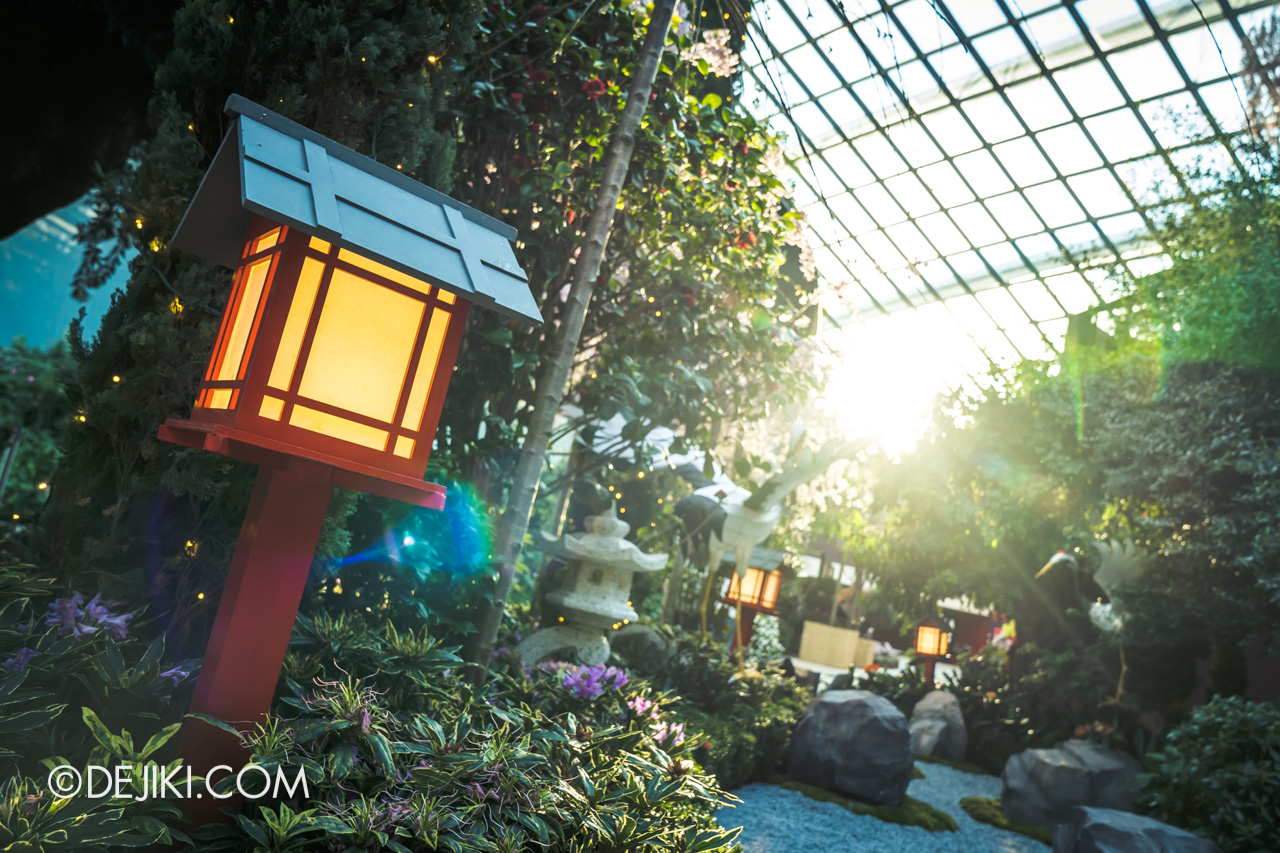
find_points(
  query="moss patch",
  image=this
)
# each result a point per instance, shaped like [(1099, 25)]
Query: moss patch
[(916, 772), (956, 765), (912, 812), (989, 811)]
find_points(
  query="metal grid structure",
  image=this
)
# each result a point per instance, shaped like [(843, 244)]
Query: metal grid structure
[(983, 163)]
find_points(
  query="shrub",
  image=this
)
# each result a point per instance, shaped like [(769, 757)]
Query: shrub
[(740, 728), (555, 756), (1219, 775)]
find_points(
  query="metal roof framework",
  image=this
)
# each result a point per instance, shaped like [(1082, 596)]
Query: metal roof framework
[(987, 162)]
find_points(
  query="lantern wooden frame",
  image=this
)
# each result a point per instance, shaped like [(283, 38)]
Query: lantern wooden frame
[(266, 386)]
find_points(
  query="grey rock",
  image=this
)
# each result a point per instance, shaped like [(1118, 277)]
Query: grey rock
[(843, 681), (937, 727), (1042, 786), (1094, 830), (641, 644), (856, 743)]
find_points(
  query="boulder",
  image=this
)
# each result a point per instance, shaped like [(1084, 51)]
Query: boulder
[(1094, 830), (856, 743), (1042, 786), (641, 644), (937, 727), (842, 681)]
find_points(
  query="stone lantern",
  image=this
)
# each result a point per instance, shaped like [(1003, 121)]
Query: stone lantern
[(595, 591)]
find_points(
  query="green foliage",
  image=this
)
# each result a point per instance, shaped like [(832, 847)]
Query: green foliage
[(73, 662), (31, 400), (1219, 775), (126, 503), (740, 728), (1057, 694), (693, 322), (911, 812), (989, 810), (523, 760)]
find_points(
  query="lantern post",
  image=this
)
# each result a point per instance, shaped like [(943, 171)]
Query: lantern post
[(351, 291), (931, 644)]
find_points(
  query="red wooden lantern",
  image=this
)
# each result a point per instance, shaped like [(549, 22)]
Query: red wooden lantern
[(329, 355), (351, 290), (753, 593), (758, 590)]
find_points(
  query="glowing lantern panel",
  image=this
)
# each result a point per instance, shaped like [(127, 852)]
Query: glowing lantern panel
[(758, 589), (324, 348), (931, 640)]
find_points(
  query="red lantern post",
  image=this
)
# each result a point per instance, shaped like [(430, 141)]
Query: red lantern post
[(331, 364)]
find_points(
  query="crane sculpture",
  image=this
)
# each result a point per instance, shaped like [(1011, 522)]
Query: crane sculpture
[(1119, 566), (735, 519)]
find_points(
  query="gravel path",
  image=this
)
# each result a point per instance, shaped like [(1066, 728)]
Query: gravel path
[(776, 820)]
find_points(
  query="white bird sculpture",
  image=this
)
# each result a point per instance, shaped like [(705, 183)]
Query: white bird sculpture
[(750, 516)]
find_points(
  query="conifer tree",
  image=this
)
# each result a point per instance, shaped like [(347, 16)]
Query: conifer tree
[(127, 508)]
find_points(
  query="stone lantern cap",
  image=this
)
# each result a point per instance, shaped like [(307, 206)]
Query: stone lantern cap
[(604, 544)]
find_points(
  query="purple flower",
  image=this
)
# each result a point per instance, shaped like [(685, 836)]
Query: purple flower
[(590, 682), (664, 730), (643, 707), (65, 615), (117, 627), (177, 674), (20, 659), (70, 617)]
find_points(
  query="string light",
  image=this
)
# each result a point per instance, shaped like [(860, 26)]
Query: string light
[(138, 222), (16, 517), (641, 475), (42, 486), (200, 595), (115, 378), (657, 313), (230, 20), (175, 306), (650, 298), (430, 59)]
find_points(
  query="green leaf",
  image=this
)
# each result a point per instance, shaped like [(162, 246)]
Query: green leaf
[(158, 740)]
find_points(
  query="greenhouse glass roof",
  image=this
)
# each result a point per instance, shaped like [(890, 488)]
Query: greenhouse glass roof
[(980, 164)]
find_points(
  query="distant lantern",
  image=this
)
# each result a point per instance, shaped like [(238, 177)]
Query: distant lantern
[(759, 589), (753, 592), (931, 644), (351, 290)]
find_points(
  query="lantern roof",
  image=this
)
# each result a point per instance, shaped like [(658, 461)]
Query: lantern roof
[(764, 559), (275, 167)]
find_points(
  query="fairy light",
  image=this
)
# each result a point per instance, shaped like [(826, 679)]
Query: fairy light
[(657, 313), (42, 486), (115, 378), (200, 595), (641, 475), (431, 59), (138, 222), (650, 298), (17, 517), (175, 307)]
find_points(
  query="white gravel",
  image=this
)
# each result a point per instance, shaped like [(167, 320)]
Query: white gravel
[(775, 820)]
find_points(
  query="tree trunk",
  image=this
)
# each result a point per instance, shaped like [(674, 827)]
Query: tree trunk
[(555, 376)]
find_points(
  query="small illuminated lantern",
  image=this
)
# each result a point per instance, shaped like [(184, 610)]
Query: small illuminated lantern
[(931, 644), (753, 593), (351, 291)]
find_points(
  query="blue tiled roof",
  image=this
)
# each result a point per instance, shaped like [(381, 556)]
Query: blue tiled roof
[(275, 167)]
